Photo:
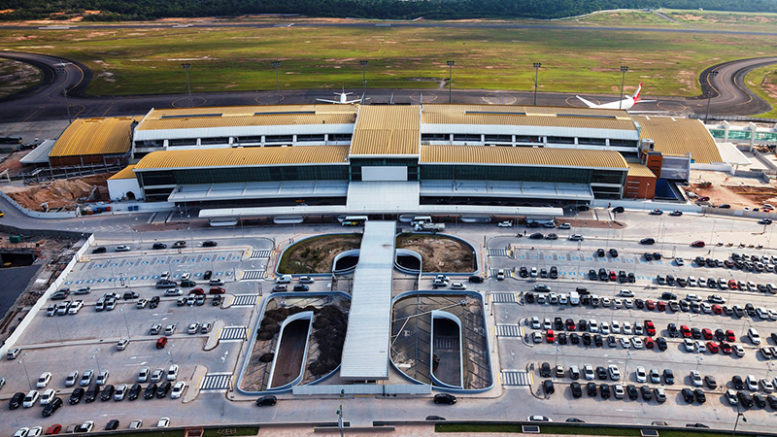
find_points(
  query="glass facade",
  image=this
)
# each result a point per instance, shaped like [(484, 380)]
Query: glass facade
[(243, 174), (517, 173)]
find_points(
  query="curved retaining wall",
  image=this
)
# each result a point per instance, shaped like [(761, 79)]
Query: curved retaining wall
[(341, 255), (299, 316), (488, 343), (407, 252), (439, 314), (255, 332)]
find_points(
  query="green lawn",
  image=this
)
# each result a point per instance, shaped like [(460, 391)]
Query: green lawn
[(764, 76), (147, 61)]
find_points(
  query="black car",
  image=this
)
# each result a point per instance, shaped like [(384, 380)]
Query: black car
[(639, 303), (601, 373), (600, 252), (688, 396), (574, 338), (661, 343), (475, 279), (100, 249), (668, 296), (591, 389), (632, 278), (76, 396), (647, 393), (562, 338), (668, 377), (592, 275), (301, 287), (16, 401), (648, 256), (209, 243), (91, 394), (618, 210), (603, 275), (772, 400), (179, 244), (647, 241), (523, 272), (134, 392), (206, 276), (529, 297), (112, 425), (547, 387), (150, 391), (745, 399), (52, 407), (159, 246), (269, 401), (439, 398), (553, 272), (604, 389), (537, 236), (586, 339), (700, 396), (558, 324), (130, 295), (759, 400), (737, 382), (598, 341), (613, 253), (545, 370), (163, 389), (632, 391), (153, 302), (576, 390), (672, 330), (107, 393)]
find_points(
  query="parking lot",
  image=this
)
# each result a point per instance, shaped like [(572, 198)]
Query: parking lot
[(523, 349), (86, 337)]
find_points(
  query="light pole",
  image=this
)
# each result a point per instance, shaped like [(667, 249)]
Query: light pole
[(364, 75), (537, 66), (710, 76), (736, 423), (276, 65), (450, 81), (624, 69), (186, 68)]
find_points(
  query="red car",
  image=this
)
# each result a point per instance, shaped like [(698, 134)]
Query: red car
[(650, 305), (650, 328), (698, 243), (717, 309), (53, 429), (732, 284), (161, 342), (730, 336), (649, 343), (686, 331), (712, 347), (725, 348), (217, 290), (706, 333), (197, 290), (613, 276), (570, 325), (550, 337), (661, 305)]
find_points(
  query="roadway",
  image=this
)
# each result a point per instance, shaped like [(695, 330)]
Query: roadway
[(47, 101)]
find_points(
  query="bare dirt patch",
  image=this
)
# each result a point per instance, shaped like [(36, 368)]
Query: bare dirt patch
[(16, 76), (316, 254), (62, 193), (440, 253)]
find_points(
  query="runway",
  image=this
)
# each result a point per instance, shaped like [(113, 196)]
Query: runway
[(61, 95)]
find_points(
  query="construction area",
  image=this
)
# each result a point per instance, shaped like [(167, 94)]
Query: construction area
[(60, 194), (724, 189)]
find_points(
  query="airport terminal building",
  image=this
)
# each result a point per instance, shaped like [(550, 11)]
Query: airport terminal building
[(396, 157)]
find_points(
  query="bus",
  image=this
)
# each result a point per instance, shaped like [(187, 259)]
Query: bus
[(354, 220)]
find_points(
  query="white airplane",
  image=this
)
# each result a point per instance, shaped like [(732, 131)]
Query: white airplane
[(343, 99), (625, 104)]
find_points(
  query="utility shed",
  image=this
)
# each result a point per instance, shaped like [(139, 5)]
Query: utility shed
[(366, 349)]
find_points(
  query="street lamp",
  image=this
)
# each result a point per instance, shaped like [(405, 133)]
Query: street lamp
[(710, 76), (364, 75), (744, 419), (450, 81), (276, 65), (186, 68), (537, 66), (624, 69)]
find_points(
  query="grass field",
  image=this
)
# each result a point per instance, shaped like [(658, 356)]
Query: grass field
[(147, 61), (677, 18), (16, 76), (763, 81)]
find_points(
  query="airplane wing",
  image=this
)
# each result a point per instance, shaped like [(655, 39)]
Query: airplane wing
[(643, 101), (328, 101), (348, 102), (588, 103)]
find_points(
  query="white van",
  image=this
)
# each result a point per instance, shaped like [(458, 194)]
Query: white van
[(574, 298), (283, 279)]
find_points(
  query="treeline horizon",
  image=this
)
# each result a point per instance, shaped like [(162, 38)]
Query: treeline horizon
[(115, 10)]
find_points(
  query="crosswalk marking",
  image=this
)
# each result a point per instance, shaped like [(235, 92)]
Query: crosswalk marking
[(244, 300), (508, 330), (216, 381), (263, 253), (233, 333), (503, 298), (515, 378), (252, 274), (497, 252)]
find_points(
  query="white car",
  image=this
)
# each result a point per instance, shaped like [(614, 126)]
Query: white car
[(120, 392), (535, 322), (458, 286), (163, 422), (751, 383), (35, 431), (615, 373), (185, 276), (626, 328), (178, 389), (624, 342), (172, 372), (753, 335), (739, 351), (43, 380), (157, 375), (640, 374), (588, 372), (30, 399), (766, 385), (75, 307), (547, 324), (102, 377), (193, 328), (593, 326), (690, 346), (71, 378), (536, 337), (505, 224), (615, 327), (500, 275), (47, 396), (122, 248), (700, 347), (22, 432), (605, 329), (170, 329), (637, 343), (575, 237), (696, 378), (122, 344), (86, 378), (625, 292), (85, 427), (136, 424)]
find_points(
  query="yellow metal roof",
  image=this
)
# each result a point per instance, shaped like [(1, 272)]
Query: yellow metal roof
[(231, 116), (386, 130), (247, 156), (680, 136), (125, 173), (527, 116), (639, 170), (94, 136), (522, 156)]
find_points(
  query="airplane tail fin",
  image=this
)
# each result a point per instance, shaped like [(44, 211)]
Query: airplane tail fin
[(587, 103), (636, 93)]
